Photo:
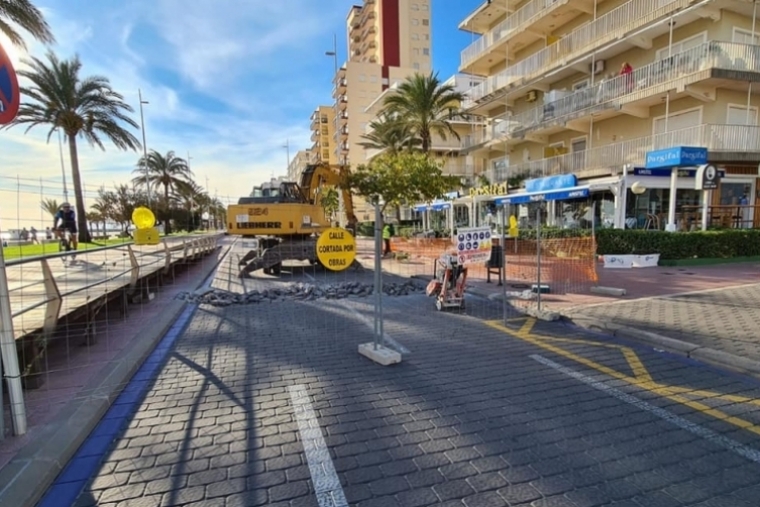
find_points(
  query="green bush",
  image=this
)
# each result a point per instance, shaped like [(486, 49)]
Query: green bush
[(365, 229), (554, 233), (722, 244)]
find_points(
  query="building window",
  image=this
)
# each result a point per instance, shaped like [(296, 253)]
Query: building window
[(415, 7), (737, 115), (415, 21), (681, 46), (426, 51), (416, 66), (742, 36), (415, 36), (425, 22), (416, 51), (426, 36), (424, 7)]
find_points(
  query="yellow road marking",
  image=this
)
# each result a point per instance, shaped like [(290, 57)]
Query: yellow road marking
[(642, 378), (638, 368)]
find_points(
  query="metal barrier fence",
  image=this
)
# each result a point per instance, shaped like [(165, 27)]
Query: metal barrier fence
[(59, 308)]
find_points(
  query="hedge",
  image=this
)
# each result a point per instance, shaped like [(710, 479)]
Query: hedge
[(721, 244)]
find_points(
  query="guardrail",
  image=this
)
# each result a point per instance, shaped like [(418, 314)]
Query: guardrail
[(39, 291)]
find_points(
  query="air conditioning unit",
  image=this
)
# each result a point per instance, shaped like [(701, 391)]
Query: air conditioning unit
[(596, 67), (532, 96)]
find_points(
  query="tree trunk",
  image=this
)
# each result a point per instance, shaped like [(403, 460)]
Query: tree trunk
[(84, 232)]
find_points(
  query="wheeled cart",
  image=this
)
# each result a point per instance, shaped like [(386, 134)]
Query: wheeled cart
[(448, 282)]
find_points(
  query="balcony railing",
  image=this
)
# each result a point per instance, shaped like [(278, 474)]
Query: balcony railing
[(516, 22), (602, 160), (609, 27), (675, 71)]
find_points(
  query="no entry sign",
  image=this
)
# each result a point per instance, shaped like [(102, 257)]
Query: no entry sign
[(10, 98)]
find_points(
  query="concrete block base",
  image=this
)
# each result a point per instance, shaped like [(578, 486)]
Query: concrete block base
[(608, 291), (381, 355)]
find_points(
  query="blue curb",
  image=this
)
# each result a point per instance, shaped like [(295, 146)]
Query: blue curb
[(84, 464)]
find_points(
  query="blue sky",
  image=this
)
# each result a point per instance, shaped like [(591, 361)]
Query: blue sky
[(228, 81)]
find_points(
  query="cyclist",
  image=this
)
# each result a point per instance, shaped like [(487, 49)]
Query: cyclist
[(68, 221)]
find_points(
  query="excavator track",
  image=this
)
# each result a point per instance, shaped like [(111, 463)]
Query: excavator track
[(273, 257)]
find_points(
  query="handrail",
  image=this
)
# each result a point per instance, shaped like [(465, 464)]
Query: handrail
[(714, 137), (136, 265), (517, 21), (642, 82), (36, 258), (610, 26)]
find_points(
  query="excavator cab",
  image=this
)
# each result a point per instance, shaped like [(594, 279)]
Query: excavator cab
[(268, 193)]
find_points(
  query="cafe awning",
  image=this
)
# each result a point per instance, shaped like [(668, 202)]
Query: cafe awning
[(562, 194), (434, 206)]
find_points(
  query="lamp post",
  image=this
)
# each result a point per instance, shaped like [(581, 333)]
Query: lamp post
[(145, 148), (334, 54), (637, 188)]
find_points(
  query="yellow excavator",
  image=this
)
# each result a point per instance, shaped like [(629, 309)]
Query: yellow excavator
[(286, 219)]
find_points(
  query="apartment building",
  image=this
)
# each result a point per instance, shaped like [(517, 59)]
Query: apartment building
[(388, 40), (586, 88), (322, 134), (298, 164)]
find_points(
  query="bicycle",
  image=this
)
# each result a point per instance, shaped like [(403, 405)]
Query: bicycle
[(64, 242)]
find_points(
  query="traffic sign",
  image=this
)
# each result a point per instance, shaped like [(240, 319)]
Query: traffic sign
[(336, 249), (10, 98)]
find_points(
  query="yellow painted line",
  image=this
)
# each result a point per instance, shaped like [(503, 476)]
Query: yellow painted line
[(645, 382), (638, 368), (641, 369), (712, 394)]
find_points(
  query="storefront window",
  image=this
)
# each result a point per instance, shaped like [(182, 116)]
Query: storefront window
[(650, 209)]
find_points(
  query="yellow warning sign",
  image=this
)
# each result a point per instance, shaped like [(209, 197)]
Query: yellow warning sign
[(336, 249)]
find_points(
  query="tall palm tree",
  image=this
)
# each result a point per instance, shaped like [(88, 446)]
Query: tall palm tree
[(168, 171), (189, 196), (426, 105), (80, 107), (25, 15), (390, 133)]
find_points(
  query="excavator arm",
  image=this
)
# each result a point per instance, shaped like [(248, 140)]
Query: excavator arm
[(314, 177)]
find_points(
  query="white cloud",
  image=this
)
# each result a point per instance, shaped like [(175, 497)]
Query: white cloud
[(210, 71)]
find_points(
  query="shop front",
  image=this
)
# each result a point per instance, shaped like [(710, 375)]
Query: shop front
[(568, 205)]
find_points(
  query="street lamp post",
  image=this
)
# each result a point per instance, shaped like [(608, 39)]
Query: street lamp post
[(334, 54), (145, 147)]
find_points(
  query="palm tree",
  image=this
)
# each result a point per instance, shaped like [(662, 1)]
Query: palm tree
[(168, 171), (189, 196), (50, 206), (86, 107), (390, 133), (26, 16), (426, 105)]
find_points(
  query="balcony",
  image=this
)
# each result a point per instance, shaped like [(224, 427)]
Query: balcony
[(342, 102), (520, 29), (344, 132), (693, 72), (610, 28), (610, 158)]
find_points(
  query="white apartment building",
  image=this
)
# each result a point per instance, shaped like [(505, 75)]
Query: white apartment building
[(587, 88)]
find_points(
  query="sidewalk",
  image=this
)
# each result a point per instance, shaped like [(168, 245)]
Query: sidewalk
[(708, 313), (81, 385)]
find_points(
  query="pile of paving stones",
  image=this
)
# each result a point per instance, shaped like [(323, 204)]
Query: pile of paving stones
[(299, 292)]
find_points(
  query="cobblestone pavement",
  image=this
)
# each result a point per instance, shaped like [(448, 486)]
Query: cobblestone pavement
[(723, 319), (479, 413)]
